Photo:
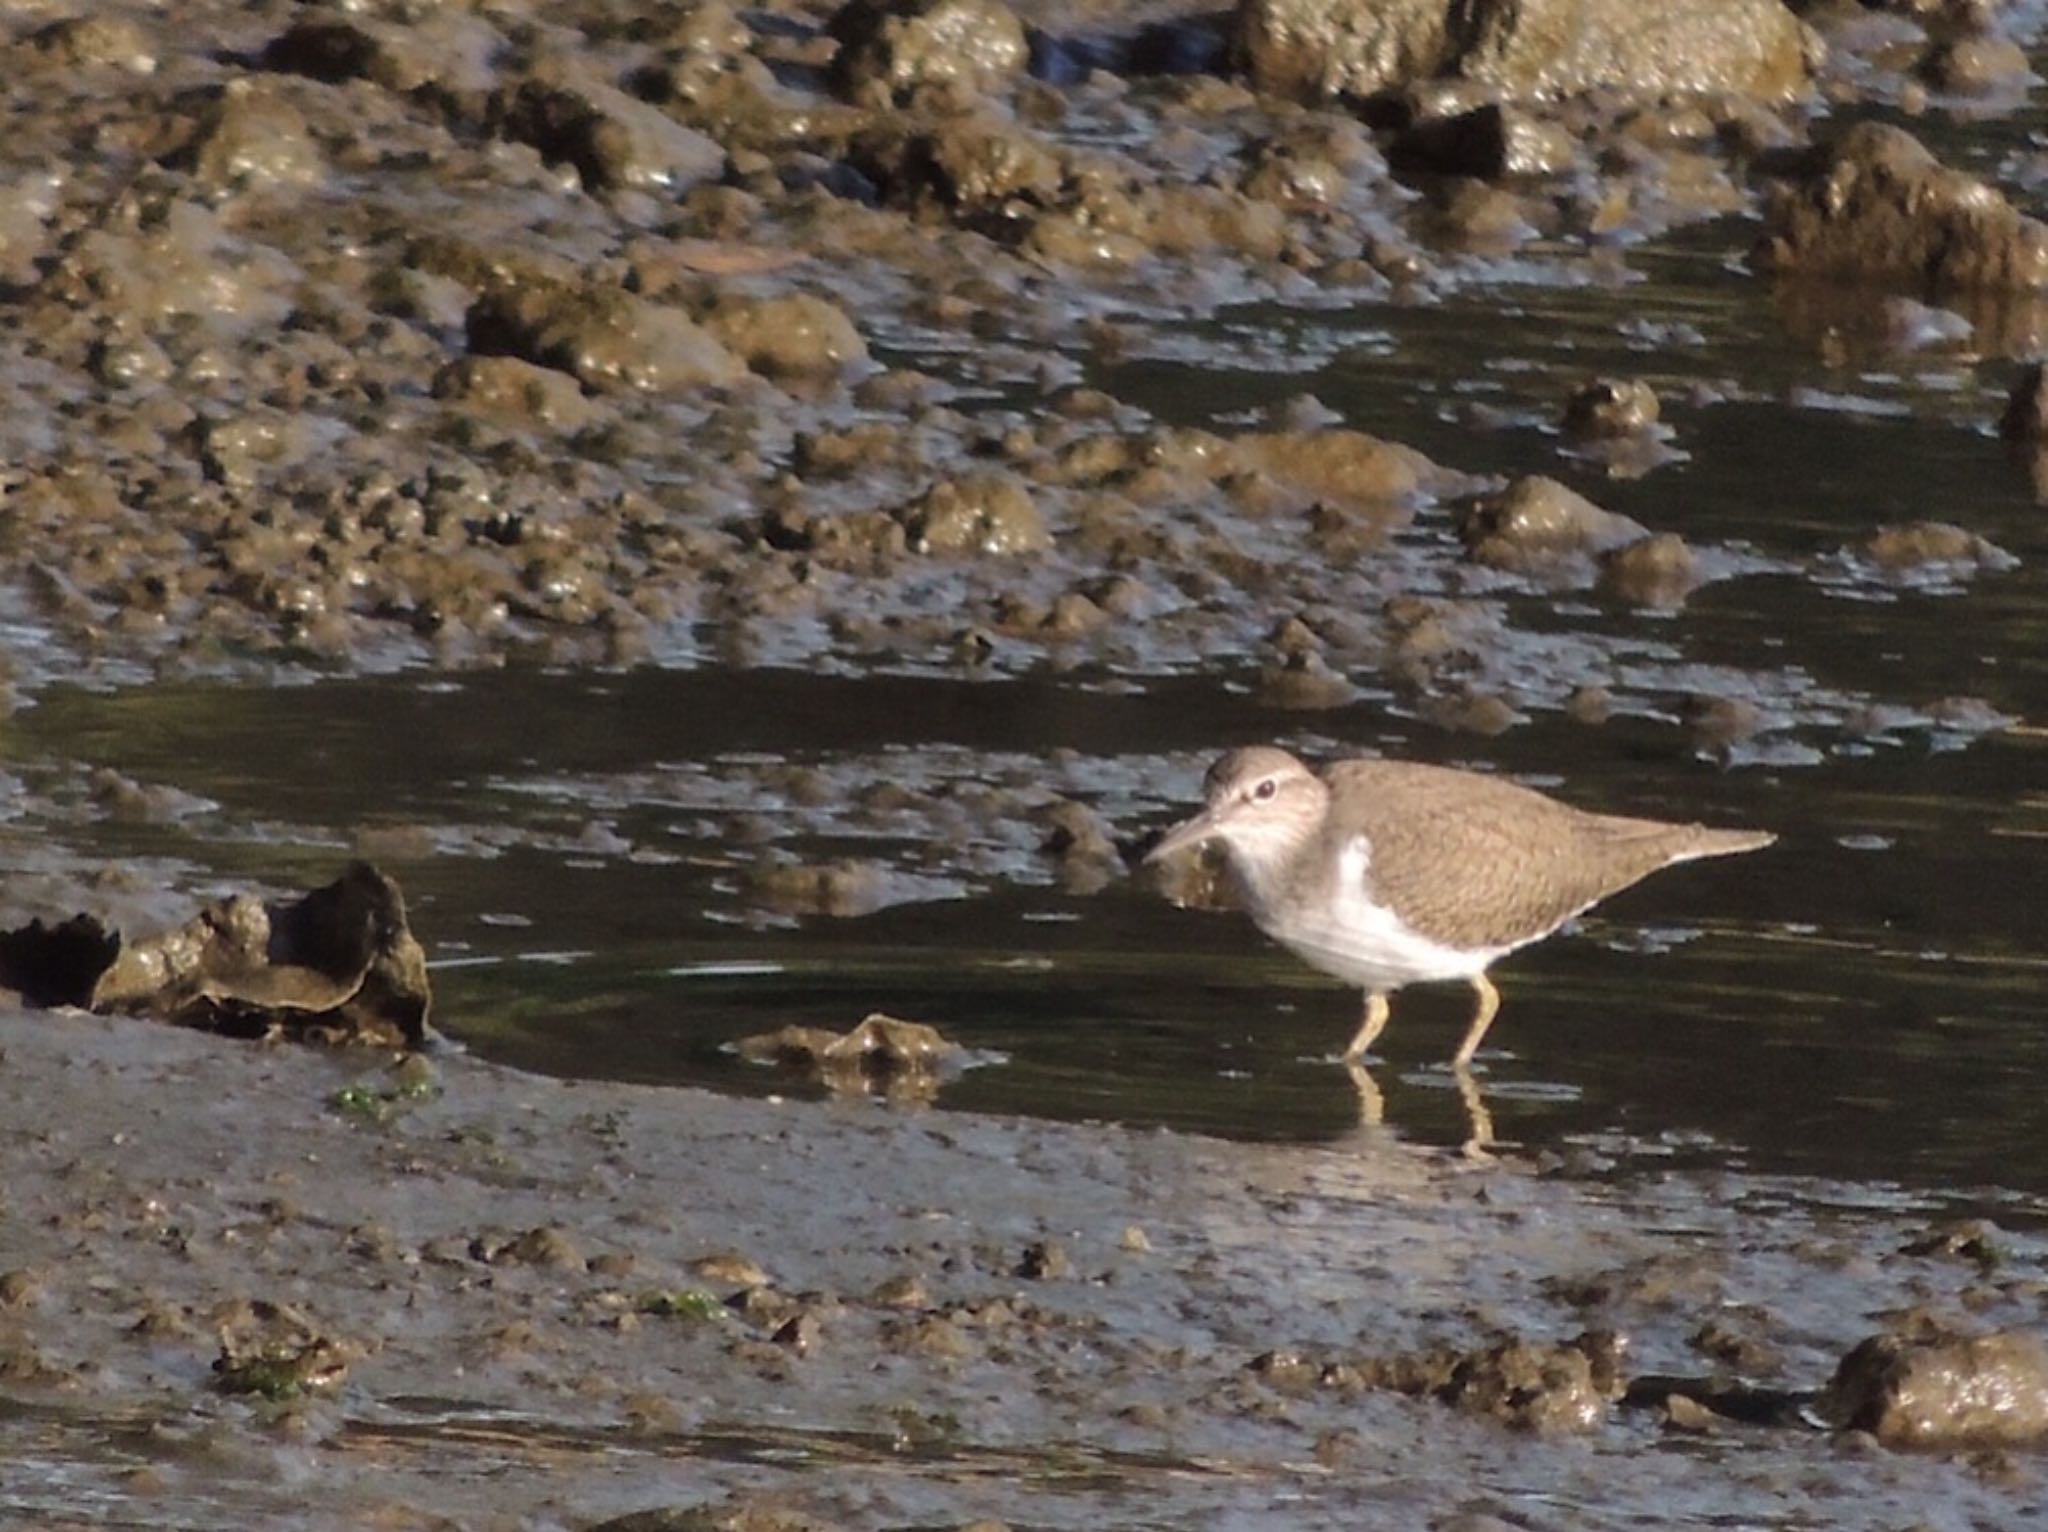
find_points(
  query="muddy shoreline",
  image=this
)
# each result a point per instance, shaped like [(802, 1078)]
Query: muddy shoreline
[(549, 1303), (1622, 416)]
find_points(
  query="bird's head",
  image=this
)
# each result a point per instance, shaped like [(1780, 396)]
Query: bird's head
[(1259, 804)]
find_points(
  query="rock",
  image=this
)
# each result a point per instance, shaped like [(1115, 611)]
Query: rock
[(1658, 571), (1590, 705), (1977, 65), (1044, 1261), (905, 1291), (1610, 407), (547, 1246), (1469, 712), (975, 164), (517, 391), (338, 964), (882, 1048), (1719, 726), (1477, 217), (1934, 545), (1321, 48), (1083, 843), (1685, 1414), (1538, 522), (1551, 48), (252, 136), (1526, 48), (987, 513), (734, 1268), (1877, 204), (445, 47), (1488, 142), (83, 41), (1945, 1392), (843, 888), (799, 1333), (1344, 465), (1528, 1385), (797, 335), (614, 141), (603, 337), (888, 48), (1302, 682)]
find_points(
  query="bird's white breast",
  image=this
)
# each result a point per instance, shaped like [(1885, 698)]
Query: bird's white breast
[(1345, 933)]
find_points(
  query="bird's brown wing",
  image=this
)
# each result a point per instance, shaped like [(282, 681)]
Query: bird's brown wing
[(1475, 861)]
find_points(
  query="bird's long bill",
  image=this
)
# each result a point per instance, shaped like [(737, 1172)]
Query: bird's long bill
[(1188, 833)]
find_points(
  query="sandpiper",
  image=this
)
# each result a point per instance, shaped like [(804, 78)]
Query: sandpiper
[(1386, 873)]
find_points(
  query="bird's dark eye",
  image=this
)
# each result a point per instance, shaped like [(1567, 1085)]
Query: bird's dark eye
[(1265, 789)]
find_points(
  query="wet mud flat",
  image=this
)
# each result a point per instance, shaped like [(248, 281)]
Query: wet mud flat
[(269, 1286), (1585, 416)]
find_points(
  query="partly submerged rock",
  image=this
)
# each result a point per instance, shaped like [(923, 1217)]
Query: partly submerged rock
[(341, 964), (1876, 204), (1944, 1391), (1537, 523), (1655, 571), (1604, 408), (905, 1058), (1939, 547)]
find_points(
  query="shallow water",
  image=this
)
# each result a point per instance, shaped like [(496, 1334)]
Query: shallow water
[(1858, 1003), (1862, 1002)]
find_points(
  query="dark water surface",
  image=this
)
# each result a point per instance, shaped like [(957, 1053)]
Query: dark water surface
[(1864, 1002)]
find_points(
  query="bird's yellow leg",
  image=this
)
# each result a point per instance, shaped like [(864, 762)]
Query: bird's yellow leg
[(1375, 1022), (1482, 1018)]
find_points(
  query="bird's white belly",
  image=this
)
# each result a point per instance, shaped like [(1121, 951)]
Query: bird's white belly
[(1351, 938)]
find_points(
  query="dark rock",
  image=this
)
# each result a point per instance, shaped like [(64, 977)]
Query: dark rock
[(613, 140), (2026, 411), (1490, 141), (1045, 1261)]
